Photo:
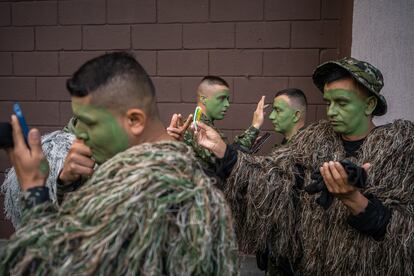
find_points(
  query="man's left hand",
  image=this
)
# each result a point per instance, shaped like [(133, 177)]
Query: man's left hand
[(30, 164), (336, 180)]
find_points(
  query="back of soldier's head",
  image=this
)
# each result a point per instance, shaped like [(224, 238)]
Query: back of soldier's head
[(115, 81), (297, 98)]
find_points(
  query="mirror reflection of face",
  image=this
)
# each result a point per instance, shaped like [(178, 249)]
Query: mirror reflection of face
[(283, 115), (100, 129), (346, 107), (217, 104)]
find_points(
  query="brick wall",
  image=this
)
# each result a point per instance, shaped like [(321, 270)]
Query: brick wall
[(258, 46)]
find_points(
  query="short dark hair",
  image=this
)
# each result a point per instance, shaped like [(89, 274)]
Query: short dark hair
[(339, 73), (296, 95), (212, 80), (105, 70)]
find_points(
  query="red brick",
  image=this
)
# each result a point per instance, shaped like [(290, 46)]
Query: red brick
[(250, 90), (65, 111), (17, 89), (5, 17), (106, 37), (293, 9), (182, 11), (6, 229), (69, 62), (232, 10), (182, 63), (328, 54), (189, 87), (52, 89), (157, 36), (168, 109), (208, 35), (321, 112), (315, 34), (35, 64), (16, 39), (235, 62), (290, 62), (45, 130), (34, 13), (6, 64), (331, 9), (4, 159), (148, 59), (167, 89), (36, 113), (82, 12), (239, 116), (59, 38), (263, 35), (131, 11), (313, 95), (311, 114)]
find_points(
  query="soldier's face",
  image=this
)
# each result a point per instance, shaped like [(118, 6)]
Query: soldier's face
[(218, 103), (283, 115), (347, 107), (99, 128)]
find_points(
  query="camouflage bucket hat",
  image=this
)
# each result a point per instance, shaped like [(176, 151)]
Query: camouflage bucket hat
[(363, 72)]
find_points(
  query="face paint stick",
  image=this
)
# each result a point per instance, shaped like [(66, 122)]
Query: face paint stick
[(22, 121), (197, 116)]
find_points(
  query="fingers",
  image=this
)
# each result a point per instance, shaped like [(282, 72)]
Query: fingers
[(366, 166), (174, 120), (187, 122), (328, 178), (174, 132), (79, 147), (260, 104), (18, 139), (34, 142)]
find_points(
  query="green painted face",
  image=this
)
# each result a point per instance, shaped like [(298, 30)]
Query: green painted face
[(217, 105), (346, 112), (100, 131), (282, 116)]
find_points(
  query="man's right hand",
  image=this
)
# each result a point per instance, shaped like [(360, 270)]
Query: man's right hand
[(208, 138), (78, 163), (177, 127)]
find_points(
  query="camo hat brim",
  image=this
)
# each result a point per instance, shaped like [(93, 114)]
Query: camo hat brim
[(363, 72)]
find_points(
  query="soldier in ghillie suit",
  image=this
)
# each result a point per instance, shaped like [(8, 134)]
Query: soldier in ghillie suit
[(56, 146), (147, 210), (362, 225), (213, 95)]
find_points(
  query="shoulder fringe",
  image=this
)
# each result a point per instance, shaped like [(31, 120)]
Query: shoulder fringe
[(149, 210)]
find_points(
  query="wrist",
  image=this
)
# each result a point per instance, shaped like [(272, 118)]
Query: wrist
[(256, 125), (220, 149), (356, 202)]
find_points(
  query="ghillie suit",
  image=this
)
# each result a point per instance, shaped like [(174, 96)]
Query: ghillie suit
[(149, 210), (56, 146), (271, 210), (208, 160)]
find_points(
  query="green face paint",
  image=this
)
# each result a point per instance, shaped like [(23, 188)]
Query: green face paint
[(100, 131), (346, 112), (217, 105), (282, 116)]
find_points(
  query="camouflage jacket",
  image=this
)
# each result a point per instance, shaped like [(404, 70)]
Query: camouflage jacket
[(243, 142)]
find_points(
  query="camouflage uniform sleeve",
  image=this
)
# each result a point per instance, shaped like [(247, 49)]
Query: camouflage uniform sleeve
[(35, 202), (246, 140), (200, 152)]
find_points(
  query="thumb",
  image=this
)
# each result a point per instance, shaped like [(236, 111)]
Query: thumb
[(34, 141), (366, 166)]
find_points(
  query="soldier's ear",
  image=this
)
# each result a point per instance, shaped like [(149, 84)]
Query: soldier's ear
[(371, 104), (297, 116), (203, 99)]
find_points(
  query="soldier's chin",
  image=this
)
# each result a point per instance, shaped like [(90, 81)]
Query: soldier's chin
[(220, 117)]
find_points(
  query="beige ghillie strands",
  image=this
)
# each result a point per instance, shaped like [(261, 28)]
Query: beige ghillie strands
[(148, 211), (268, 209)]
